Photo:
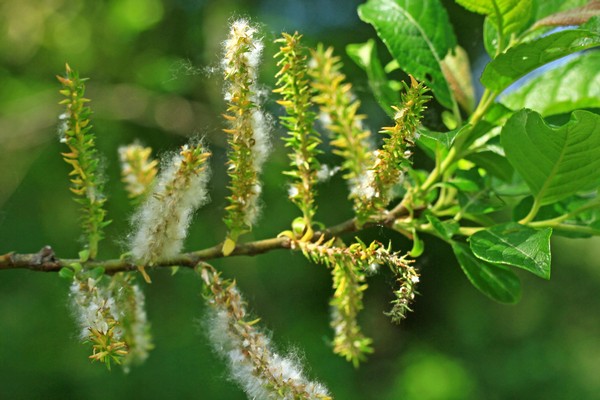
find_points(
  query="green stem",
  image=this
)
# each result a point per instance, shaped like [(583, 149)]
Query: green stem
[(456, 151), (587, 230), (535, 207)]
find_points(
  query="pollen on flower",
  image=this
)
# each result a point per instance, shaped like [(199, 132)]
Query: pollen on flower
[(162, 221)]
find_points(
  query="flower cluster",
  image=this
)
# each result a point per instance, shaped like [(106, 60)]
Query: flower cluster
[(262, 373), (350, 266), (132, 318), (138, 170), (294, 88), (163, 220), (339, 109), (248, 132), (374, 188), (98, 317), (87, 182)]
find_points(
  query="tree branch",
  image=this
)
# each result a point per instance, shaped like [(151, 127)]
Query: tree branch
[(46, 261)]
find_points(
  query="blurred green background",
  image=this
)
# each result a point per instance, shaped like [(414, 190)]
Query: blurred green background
[(153, 69)]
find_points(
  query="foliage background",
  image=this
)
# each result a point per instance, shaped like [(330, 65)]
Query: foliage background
[(152, 65)]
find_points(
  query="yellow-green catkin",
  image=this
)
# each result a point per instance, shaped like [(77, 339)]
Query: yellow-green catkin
[(247, 129), (87, 183), (350, 267), (162, 222), (138, 170), (339, 115), (374, 190), (261, 372), (294, 87)]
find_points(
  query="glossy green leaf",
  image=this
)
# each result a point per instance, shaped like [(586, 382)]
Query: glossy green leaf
[(517, 245), (524, 58), (365, 56), (495, 281), (555, 162), (418, 34), (572, 85), (506, 16)]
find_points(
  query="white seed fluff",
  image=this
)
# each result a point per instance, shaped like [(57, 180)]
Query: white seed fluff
[(163, 220), (260, 372)]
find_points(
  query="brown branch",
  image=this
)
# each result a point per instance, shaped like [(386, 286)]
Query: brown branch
[(46, 261)]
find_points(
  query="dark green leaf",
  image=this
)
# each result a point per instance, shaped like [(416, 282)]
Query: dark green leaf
[(524, 58), (418, 34), (365, 56), (495, 281), (562, 89), (555, 162), (517, 245)]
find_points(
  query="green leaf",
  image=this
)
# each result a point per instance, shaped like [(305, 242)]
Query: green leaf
[(432, 141), (543, 8), (457, 70), (490, 38), (84, 255), (495, 281), (562, 89), (506, 16), (524, 58), (418, 34), (365, 56), (96, 273), (517, 245), (76, 267), (555, 162), (66, 273), (446, 229), (418, 245), (571, 16), (494, 163)]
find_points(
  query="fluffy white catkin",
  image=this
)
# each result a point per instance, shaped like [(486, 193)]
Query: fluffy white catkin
[(248, 126), (261, 372), (162, 221)]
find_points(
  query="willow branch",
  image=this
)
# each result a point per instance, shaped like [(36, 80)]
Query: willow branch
[(46, 260)]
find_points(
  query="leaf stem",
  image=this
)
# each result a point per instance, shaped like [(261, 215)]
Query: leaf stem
[(535, 207)]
